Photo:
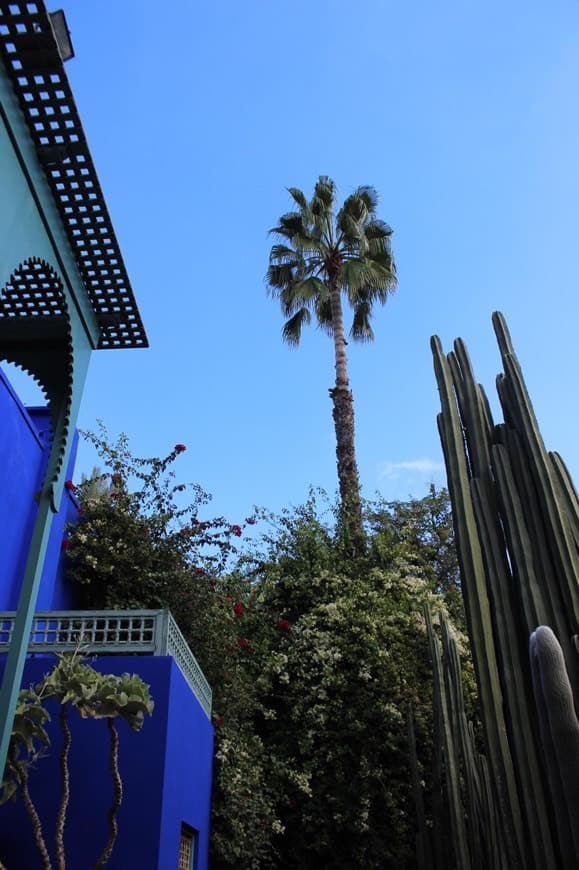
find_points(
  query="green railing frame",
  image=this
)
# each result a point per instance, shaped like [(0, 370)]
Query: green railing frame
[(112, 632)]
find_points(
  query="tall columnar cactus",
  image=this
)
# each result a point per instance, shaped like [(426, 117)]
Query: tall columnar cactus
[(559, 729), (469, 812), (517, 531)]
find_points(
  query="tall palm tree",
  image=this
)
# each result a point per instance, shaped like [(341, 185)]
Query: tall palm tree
[(321, 255)]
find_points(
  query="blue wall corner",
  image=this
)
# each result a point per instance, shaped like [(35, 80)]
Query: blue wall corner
[(24, 446)]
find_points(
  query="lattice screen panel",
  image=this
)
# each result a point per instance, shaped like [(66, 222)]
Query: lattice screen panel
[(33, 291), (31, 57)]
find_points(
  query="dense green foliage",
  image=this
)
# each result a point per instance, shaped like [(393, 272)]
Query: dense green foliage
[(313, 655)]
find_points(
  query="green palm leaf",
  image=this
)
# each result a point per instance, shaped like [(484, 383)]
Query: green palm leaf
[(292, 330)]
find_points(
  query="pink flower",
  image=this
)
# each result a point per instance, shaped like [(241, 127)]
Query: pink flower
[(238, 608), (251, 521), (243, 643), (236, 530), (70, 486), (179, 448), (284, 625)]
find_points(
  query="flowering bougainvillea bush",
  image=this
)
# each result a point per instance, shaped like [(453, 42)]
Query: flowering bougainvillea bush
[(143, 541), (313, 655)]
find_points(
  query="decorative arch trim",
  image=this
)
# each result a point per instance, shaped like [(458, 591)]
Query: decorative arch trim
[(36, 335)]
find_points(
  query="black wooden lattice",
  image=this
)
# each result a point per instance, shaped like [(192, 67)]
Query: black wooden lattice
[(32, 60)]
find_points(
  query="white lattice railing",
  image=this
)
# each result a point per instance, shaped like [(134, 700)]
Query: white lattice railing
[(113, 632)]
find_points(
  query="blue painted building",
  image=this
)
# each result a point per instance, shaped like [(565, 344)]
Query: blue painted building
[(63, 293), (166, 767)]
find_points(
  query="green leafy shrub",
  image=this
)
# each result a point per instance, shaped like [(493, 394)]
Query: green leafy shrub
[(313, 654)]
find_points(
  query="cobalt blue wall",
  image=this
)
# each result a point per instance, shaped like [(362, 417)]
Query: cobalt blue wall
[(166, 772), (24, 439), (188, 777), (166, 768)]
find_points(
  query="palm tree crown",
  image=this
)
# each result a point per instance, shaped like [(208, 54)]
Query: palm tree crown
[(321, 251)]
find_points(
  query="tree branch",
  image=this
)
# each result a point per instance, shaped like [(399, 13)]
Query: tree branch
[(65, 779), (117, 798)]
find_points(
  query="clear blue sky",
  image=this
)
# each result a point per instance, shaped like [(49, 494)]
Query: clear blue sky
[(464, 117)]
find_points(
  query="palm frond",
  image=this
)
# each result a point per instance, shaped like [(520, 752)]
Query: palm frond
[(325, 192), (309, 289), (349, 226), (298, 294), (356, 209), (289, 225), (354, 276), (383, 274), (323, 309), (299, 198), (361, 329), (292, 329), (377, 229), (367, 278), (279, 275), (369, 196), (282, 254)]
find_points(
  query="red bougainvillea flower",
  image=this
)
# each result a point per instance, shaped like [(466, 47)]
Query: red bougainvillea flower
[(201, 571), (179, 448), (284, 625), (236, 530), (238, 608), (70, 486), (251, 521), (65, 545), (117, 478), (231, 650), (220, 722), (243, 642), (114, 495)]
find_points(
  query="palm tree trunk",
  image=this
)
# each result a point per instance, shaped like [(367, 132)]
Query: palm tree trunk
[(65, 779), (343, 413)]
